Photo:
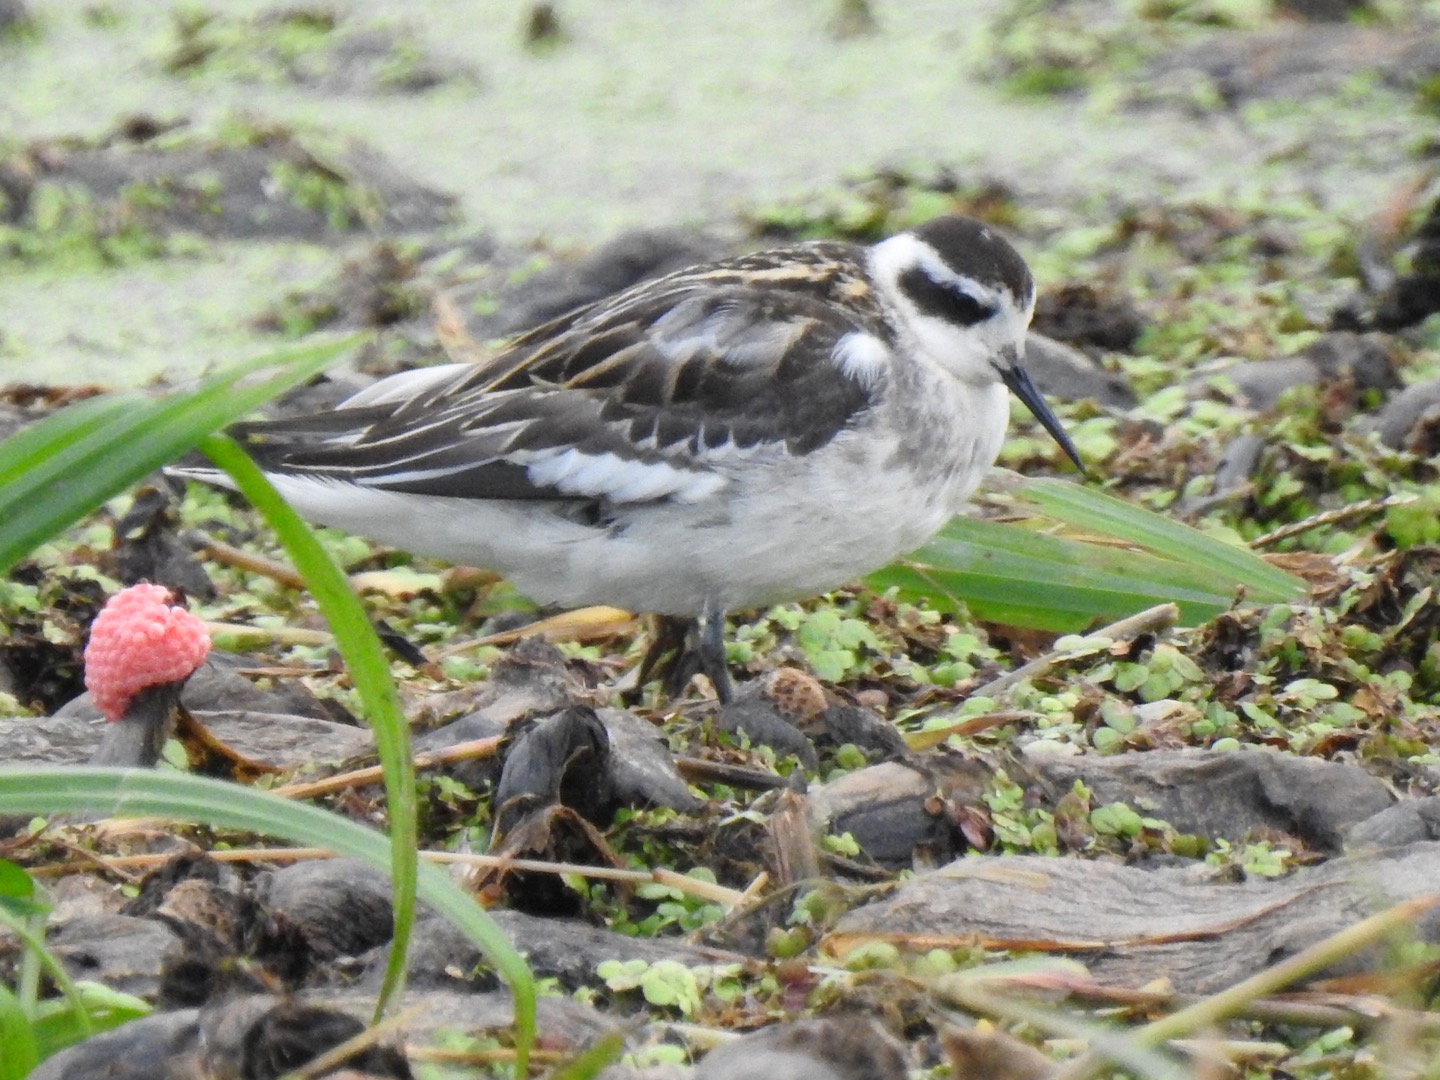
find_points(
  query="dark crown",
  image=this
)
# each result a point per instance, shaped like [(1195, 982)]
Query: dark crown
[(974, 250)]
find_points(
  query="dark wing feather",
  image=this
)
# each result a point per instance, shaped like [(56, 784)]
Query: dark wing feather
[(673, 371)]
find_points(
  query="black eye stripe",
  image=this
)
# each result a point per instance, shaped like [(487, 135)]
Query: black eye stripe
[(942, 301)]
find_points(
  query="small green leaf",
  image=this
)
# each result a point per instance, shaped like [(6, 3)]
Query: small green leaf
[(17, 892), (18, 1051), (1116, 819), (61, 1022), (620, 975)]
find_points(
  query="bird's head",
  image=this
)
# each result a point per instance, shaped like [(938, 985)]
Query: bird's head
[(965, 297)]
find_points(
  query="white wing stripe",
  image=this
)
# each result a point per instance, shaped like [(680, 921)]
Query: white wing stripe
[(390, 479), (404, 385), (608, 476)]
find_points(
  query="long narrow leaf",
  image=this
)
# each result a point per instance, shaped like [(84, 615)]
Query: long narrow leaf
[(1133, 559), (970, 542), (20, 1055), (1109, 516), (95, 1008), (181, 797), (66, 466), (369, 670), (31, 935), (1056, 592), (31, 445)]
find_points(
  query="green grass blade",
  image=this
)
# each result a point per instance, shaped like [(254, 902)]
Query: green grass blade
[(72, 465), (20, 1054), (1013, 574), (593, 1060), (1099, 512), (30, 446), (31, 935), (996, 573), (369, 669), (181, 797), (94, 1008)]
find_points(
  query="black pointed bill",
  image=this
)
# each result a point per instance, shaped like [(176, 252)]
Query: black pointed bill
[(1018, 380)]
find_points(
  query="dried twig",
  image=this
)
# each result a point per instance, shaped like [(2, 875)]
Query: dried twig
[(971, 725), (1150, 621), (704, 890), (248, 561), (338, 1055), (495, 1055), (1362, 509), (1229, 1002), (471, 750), (582, 624)]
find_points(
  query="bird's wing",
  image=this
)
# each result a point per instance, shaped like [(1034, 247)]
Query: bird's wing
[(633, 400)]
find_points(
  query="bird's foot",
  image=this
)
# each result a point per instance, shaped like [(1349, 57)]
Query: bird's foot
[(683, 648)]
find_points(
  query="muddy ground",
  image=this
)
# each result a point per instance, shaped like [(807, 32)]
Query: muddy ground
[(1234, 217)]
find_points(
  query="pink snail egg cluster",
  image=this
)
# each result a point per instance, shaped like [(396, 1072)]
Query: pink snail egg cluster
[(140, 639)]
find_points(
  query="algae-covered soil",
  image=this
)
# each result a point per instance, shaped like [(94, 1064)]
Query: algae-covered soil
[(920, 841)]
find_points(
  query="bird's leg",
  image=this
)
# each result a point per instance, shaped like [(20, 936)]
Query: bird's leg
[(684, 648), (709, 650), (665, 654)]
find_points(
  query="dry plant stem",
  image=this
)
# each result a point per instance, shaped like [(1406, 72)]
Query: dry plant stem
[(337, 1055), (496, 1056), (255, 564), (471, 750), (1229, 1002), (756, 888), (1150, 621), (1232, 1049), (284, 635), (700, 771), (1362, 509), (1200, 1049), (1365, 1014), (582, 624), (1141, 1060), (92, 860), (1332, 1012), (971, 725), (704, 890), (751, 899)]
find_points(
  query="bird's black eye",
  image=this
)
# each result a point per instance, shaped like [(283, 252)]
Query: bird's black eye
[(943, 301)]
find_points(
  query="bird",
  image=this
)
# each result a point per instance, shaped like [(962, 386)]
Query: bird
[(742, 432)]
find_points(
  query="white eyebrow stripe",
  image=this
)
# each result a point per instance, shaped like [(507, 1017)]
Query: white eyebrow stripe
[(892, 257)]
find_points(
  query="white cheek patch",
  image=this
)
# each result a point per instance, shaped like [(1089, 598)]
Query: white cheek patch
[(862, 358), (620, 480)]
